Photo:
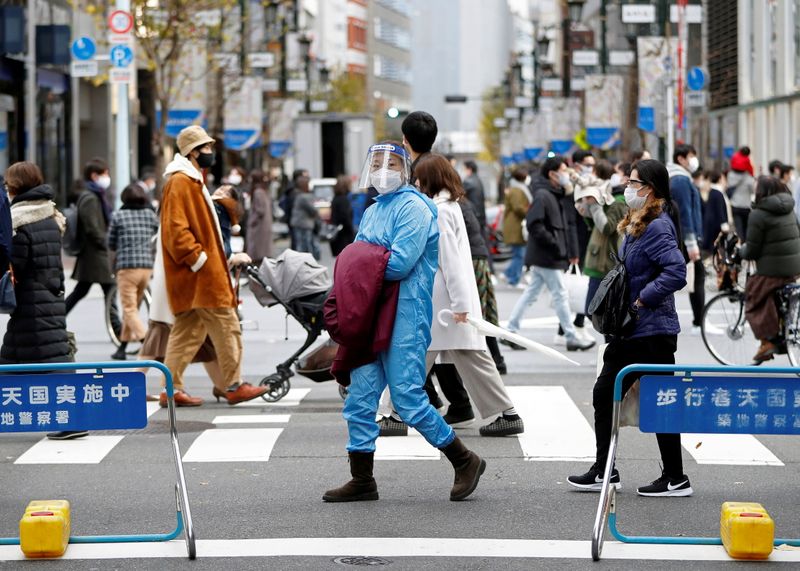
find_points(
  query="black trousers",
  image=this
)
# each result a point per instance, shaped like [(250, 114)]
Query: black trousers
[(654, 350), (80, 291), (697, 298)]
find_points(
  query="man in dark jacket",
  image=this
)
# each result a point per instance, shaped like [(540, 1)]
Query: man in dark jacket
[(685, 194), (552, 246), (92, 265), (473, 187)]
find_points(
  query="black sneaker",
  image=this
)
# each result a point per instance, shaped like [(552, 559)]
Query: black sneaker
[(592, 481), (503, 426), (511, 344), (667, 487), (119, 354), (579, 345), (459, 418), (392, 427), (67, 434)]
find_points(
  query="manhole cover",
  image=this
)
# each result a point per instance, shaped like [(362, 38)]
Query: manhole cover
[(160, 427), (361, 561)]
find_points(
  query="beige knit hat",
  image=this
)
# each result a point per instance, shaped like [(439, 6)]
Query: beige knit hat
[(192, 137)]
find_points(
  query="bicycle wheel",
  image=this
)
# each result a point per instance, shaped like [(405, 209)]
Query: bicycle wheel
[(726, 333), (791, 330), (113, 317)]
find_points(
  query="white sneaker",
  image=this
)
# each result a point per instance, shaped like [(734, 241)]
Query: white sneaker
[(521, 285), (696, 332), (560, 340), (527, 278), (714, 330)]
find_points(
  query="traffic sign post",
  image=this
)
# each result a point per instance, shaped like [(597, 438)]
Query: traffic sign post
[(758, 400), (696, 78), (120, 26), (53, 396), (84, 48)]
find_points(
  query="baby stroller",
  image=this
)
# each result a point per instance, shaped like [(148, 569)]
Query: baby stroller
[(298, 283)]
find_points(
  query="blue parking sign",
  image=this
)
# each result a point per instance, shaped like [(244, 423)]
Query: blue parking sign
[(121, 55), (82, 401)]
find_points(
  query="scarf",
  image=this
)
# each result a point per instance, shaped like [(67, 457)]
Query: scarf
[(101, 194), (30, 211)]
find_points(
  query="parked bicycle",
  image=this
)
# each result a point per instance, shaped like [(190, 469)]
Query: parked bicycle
[(726, 333), (113, 319)]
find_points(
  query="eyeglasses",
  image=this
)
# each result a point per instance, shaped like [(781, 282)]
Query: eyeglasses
[(640, 182)]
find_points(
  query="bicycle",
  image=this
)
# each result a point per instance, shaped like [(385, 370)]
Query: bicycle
[(727, 334)]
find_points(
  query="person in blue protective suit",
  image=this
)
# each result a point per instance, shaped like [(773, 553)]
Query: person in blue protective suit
[(404, 222)]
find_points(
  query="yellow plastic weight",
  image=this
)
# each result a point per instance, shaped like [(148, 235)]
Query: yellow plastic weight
[(44, 529), (747, 530)]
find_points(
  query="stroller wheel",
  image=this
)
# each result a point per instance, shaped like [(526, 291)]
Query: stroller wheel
[(277, 385), (343, 392)]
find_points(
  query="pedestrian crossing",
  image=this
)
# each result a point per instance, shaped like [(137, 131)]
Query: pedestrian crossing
[(556, 430)]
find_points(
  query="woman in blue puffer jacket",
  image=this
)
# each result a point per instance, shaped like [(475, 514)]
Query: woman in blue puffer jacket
[(656, 270)]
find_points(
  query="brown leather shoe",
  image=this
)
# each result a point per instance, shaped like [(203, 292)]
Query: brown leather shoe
[(243, 393), (766, 352), (182, 398)]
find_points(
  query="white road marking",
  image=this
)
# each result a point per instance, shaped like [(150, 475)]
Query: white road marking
[(555, 429), (729, 449), (88, 450), (292, 398), (252, 419), (152, 408), (233, 445), (411, 447), (397, 547)]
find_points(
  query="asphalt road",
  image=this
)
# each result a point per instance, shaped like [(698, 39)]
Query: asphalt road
[(257, 476)]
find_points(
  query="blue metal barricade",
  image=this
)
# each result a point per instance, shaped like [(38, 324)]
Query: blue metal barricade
[(715, 402), (97, 400)]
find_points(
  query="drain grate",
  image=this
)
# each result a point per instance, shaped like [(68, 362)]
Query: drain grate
[(359, 561)]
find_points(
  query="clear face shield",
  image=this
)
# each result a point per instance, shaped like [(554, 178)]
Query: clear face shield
[(386, 169)]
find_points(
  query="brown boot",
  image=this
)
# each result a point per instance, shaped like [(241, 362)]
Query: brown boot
[(468, 466), (182, 398), (765, 352), (362, 487)]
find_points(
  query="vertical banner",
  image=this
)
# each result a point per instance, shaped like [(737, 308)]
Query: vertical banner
[(281, 118), (657, 58), (604, 96), (506, 156), (566, 122), (243, 111), (188, 95)]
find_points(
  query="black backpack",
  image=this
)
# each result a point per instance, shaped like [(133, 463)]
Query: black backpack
[(71, 241), (610, 306)]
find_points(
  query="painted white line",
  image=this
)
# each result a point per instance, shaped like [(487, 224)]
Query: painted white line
[(88, 450), (292, 398), (398, 547), (252, 419), (555, 429), (729, 449), (535, 323), (152, 408), (233, 445), (411, 447)]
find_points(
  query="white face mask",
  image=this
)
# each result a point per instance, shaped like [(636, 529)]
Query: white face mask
[(235, 179), (616, 179), (694, 164), (633, 200), (103, 181), (587, 169), (563, 179), (386, 180)]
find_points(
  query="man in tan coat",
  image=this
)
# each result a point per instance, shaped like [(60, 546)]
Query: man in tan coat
[(197, 276)]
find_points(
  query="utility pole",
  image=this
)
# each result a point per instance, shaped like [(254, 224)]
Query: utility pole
[(566, 83), (122, 146), (603, 33), (75, 106), (664, 154), (32, 87)]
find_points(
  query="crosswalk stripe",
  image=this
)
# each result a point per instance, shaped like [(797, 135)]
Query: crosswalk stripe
[(233, 445), (88, 450), (555, 429), (411, 447), (729, 449), (292, 398), (252, 419)]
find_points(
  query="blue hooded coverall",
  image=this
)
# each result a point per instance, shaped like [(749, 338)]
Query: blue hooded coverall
[(403, 222)]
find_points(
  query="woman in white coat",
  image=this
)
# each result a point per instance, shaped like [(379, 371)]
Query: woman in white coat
[(454, 288)]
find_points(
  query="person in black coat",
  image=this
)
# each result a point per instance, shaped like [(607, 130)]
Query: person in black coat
[(37, 330), (342, 215), (718, 214)]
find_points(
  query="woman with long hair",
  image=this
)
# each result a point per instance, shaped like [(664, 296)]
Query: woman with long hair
[(455, 289), (656, 270), (773, 242)]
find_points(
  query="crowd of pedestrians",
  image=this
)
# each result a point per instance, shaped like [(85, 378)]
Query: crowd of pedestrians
[(422, 250)]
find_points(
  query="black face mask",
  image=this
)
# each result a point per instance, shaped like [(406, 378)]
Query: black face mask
[(205, 160)]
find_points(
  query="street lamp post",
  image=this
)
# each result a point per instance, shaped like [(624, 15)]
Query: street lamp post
[(574, 9), (305, 50), (539, 51)]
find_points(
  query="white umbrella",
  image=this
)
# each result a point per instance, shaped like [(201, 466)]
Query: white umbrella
[(488, 330)]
